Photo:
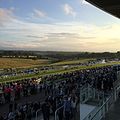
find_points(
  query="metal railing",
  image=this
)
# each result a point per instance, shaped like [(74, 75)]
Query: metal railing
[(37, 114), (103, 109), (105, 100), (56, 112), (91, 114), (88, 92)]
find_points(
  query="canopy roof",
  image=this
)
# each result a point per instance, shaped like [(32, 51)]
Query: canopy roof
[(110, 6)]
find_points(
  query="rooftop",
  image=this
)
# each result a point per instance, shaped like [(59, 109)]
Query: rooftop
[(110, 6)]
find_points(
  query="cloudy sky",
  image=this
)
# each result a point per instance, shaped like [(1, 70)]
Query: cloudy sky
[(57, 25)]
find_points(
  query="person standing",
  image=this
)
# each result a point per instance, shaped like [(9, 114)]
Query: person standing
[(67, 109), (46, 110)]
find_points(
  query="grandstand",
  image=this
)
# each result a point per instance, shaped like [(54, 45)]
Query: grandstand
[(88, 93), (110, 6), (95, 104), (84, 94)]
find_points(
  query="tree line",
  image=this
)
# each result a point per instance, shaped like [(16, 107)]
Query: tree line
[(56, 55)]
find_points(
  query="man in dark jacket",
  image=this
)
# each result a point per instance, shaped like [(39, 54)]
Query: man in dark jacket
[(46, 110)]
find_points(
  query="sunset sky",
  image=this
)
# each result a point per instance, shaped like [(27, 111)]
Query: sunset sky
[(57, 25)]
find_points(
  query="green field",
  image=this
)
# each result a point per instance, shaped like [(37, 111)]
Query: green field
[(69, 62)]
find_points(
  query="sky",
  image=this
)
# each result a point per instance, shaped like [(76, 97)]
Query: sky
[(57, 25)]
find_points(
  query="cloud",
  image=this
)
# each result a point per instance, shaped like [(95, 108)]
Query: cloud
[(69, 10), (67, 36), (61, 34), (12, 8), (39, 13), (85, 37), (33, 36), (6, 16), (115, 39)]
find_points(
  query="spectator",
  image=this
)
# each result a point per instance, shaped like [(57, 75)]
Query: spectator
[(46, 110), (67, 108)]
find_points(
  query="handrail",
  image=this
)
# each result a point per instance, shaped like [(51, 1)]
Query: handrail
[(101, 107), (37, 114), (57, 111), (94, 114), (90, 113)]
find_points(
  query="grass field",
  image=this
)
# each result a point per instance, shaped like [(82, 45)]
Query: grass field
[(16, 78), (68, 62), (21, 63), (27, 63)]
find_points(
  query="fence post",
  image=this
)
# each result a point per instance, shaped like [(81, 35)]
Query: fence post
[(107, 106), (98, 93), (94, 92), (56, 115)]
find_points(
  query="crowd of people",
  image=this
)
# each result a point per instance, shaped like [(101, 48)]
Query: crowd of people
[(64, 93), (21, 112), (101, 78), (61, 90)]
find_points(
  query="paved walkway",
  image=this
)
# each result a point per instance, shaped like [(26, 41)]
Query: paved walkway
[(114, 112)]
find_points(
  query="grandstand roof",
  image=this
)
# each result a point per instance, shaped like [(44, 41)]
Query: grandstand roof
[(110, 6)]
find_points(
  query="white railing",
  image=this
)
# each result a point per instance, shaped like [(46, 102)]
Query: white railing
[(103, 109), (105, 101), (91, 114), (88, 92)]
